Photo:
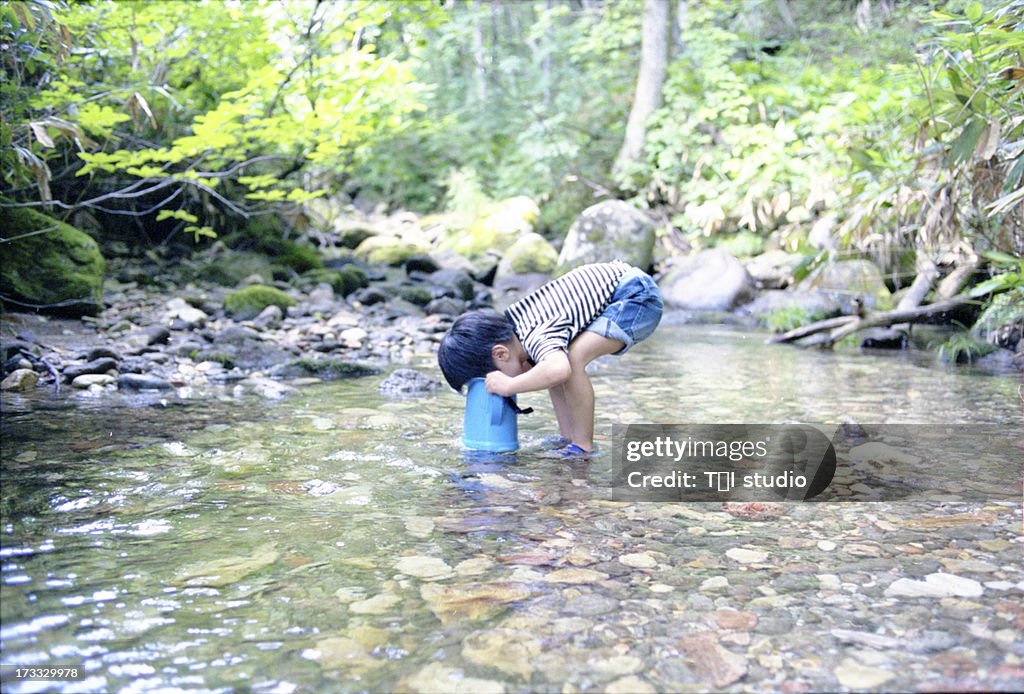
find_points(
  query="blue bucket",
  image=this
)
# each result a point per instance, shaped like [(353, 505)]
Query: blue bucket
[(490, 420)]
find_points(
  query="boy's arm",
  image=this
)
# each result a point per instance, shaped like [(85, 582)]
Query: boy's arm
[(549, 371)]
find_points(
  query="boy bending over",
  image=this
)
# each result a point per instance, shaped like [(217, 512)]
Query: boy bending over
[(546, 339)]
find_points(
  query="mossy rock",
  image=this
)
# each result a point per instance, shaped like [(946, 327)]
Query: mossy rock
[(267, 236), (229, 268), (530, 253), (389, 250), (247, 303), (343, 281), (605, 231), (498, 227), (324, 369), (420, 296), (847, 279), (299, 257), (60, 269)]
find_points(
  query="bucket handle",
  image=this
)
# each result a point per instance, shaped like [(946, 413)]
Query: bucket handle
[(498, 409)]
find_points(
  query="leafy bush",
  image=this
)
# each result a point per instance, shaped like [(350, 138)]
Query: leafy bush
[(964, 348)]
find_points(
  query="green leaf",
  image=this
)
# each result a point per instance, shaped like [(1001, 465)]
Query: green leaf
[(176, 214), (1001, 258), (963, 147), (974, 12)]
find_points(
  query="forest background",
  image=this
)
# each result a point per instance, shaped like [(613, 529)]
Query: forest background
[(901, 124)]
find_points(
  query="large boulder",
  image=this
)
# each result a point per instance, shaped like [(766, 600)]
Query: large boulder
[(497, 227), (390, 250), (815, 304), (773, 269), (847, 280), (530, 253), (606, 231), (711, 280), (49, 264)]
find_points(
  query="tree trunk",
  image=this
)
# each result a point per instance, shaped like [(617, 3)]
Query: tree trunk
[(479, 64), (651, 78)]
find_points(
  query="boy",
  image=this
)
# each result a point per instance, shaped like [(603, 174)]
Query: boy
[(546, 339)]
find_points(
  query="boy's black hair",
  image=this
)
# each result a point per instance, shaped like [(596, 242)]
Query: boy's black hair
[(465, 350)]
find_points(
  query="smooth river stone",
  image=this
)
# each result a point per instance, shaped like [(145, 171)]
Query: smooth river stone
[(423, 567), (378, 604), (713, 663), (853, 675), (511, 652), (747, 556), (575, 576), (472, 601), (638, 560), (937, 585), (437, 677), (630, 685)]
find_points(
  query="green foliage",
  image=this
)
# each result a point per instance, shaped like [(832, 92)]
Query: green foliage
[(787, 318), (759, 139), (1006, 309), (212, 108), (906, 125), (741, 244), (249, 302), (963, 348)]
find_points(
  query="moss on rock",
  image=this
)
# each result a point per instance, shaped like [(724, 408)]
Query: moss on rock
[(229, 268), (60, 268), (247, 303), (498, 227), (530, 253), (343, 281), (610, 229), (324, 369), (389, 250), (420, 296)]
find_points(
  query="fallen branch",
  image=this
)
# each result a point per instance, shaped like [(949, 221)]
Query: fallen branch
[(878, 320), (847, 325), (811, 328)]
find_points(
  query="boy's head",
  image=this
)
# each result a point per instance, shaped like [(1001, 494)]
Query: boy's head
[(466, 349)]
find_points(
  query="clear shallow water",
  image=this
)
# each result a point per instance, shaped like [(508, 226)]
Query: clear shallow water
[(341, 541)]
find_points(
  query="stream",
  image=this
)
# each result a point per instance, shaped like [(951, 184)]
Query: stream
[(338, 540)]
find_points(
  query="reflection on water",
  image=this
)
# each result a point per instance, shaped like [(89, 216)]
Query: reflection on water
[(339, 540)]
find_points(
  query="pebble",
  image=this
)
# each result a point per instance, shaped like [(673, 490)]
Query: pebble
[(747, 556), (87, 380), (423, 567), (638, 560), (715, 584), (854, 675), (936, 585)]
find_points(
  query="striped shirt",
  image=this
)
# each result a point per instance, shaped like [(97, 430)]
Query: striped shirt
[(548, 319)]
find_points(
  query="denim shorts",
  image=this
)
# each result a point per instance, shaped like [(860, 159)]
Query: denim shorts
[(633, 312)]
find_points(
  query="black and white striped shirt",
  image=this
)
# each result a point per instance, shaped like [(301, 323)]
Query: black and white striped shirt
[(549, 318)]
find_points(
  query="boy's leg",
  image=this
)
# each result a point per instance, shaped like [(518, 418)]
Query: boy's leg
[(562, 411), (579, 392)]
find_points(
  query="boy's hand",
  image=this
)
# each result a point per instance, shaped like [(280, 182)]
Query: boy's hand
[(499, 384)]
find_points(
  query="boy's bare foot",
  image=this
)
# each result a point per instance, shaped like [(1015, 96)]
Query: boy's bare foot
[(569, 452)]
